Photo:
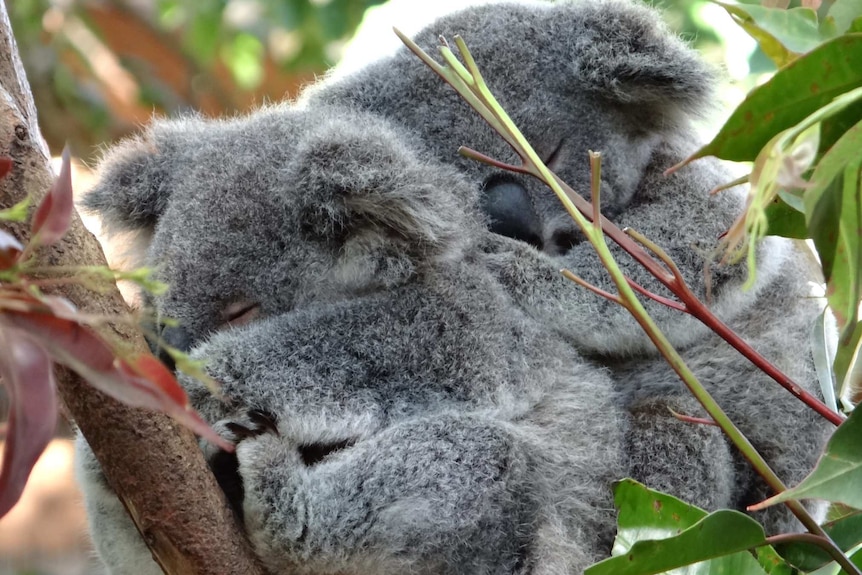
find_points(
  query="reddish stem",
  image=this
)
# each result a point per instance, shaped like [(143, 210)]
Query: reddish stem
[(654, 296), (676, 284), (692, 419)]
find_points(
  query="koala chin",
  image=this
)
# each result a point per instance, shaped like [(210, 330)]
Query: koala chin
[(411, 384)]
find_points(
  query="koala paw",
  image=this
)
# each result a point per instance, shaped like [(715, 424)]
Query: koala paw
[(225, 465)]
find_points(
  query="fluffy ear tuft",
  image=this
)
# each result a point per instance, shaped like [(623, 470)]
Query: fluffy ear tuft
[(360, 179), (134, 184), (625, 53)]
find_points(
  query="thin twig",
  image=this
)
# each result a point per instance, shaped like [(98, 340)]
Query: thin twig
[(654, 296), (480, 157), (596, 290), (692, 419)]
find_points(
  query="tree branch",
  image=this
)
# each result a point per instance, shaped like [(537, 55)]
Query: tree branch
[(152, 463)]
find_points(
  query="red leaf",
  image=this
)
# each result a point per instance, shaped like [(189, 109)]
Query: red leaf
[(170, 397), (10, 249), (5, 166), (54, 214), (63, 337), (26, 369), (139, 381)]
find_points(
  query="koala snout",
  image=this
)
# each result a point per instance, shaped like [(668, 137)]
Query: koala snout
[(511, 214), (510, 211)]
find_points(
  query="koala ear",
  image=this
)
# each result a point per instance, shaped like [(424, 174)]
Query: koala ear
[(360, 180), (625, 53), (134, 187)]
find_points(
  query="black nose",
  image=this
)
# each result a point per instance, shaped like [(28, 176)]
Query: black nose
[(176, 337), (564, 240), (510, 211)]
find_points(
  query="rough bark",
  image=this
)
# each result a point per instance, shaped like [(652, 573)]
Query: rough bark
[(152, 463)]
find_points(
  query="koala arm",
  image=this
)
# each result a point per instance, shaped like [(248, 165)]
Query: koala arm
[(414, 495), (115, 536), (414, 432)]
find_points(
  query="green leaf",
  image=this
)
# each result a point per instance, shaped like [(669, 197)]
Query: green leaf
[(783, 35), (648, 514), (842, 15), (833, 206), (838, 474), (658, 533), (833, 128), (785, 221), (843, 152), (794, 92), (834, 569), (823, 352), (846, 356), (833, 224), (17, 213), (772, 562), (845, 532)]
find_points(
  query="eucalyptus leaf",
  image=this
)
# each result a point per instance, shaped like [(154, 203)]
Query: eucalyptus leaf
[(783, 35), (659, 533), (833, 223), (803, 87), (846, 358), (838, 474), (648, 514), (773, 563), (834, 212), (822, 350), (785, 221), (834, 569), (842, 15), (845, 532)]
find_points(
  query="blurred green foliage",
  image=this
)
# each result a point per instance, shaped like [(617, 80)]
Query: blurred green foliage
[(99, 68)]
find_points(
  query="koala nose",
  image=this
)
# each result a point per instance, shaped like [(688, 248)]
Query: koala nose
[(564, 240), (509, 210), (176, 337)]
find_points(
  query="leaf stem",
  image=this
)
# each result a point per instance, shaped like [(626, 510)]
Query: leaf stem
[(822, 541)]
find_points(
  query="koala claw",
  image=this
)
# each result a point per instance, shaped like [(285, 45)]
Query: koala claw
[(260, 422)]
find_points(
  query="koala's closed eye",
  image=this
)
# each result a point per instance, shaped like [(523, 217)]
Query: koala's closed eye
[(240, 313)]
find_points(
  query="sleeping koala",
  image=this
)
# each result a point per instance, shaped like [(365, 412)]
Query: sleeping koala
[(607, 75), (420, 391), (396, 409)]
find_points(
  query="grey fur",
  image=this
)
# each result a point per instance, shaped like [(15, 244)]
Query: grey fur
[(467, 406)]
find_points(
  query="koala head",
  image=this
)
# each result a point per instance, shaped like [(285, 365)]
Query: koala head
[(574, 75), (279, 210)]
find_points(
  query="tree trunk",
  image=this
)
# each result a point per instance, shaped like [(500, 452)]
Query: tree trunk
[(152, 463)]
